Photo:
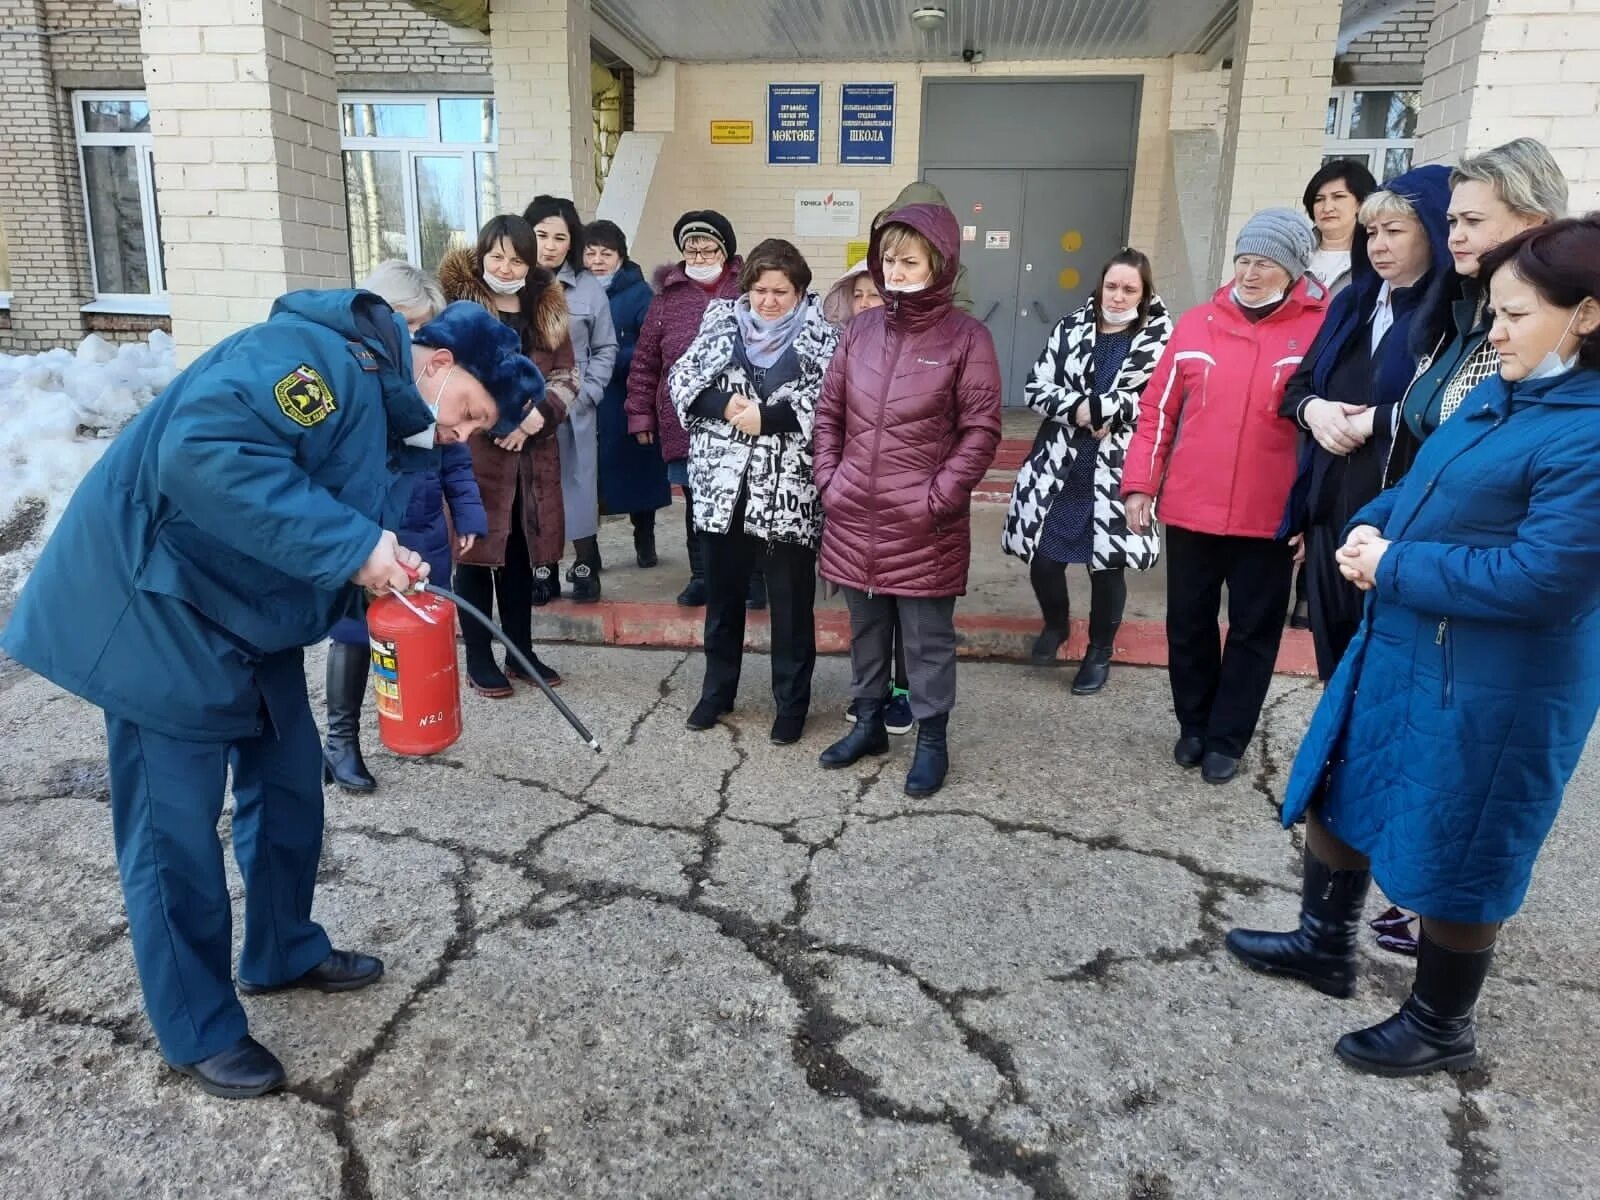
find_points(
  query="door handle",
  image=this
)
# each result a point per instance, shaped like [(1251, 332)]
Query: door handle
[(1038, 311)]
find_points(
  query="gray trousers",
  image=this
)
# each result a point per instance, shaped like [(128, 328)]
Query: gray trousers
[(928, 628)]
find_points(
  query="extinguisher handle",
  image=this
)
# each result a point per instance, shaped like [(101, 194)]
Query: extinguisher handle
[(414, 575)]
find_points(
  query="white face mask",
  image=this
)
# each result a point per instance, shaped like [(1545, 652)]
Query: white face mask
[(1112, 317), (703, 272), (1553, 364), (425, 439), (501, 288), (1273, 298), (910, 289)]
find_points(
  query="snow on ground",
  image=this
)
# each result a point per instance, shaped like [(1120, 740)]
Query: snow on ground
[(59, 411)]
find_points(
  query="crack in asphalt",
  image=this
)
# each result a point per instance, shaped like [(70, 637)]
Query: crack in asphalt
[(128, 1031), (699, 873), (1269, 770), (1477, 1174)]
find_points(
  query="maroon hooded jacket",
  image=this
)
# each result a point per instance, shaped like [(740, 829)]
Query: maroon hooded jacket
[(669, 327), (908, 422)]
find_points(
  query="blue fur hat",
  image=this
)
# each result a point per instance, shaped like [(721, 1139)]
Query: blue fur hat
[(491, 353)]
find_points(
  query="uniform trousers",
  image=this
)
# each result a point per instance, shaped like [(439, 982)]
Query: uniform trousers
[(166, 798), (1217, 689), (928, 633)]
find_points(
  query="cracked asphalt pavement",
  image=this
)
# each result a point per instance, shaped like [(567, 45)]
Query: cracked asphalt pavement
[(699, 966)]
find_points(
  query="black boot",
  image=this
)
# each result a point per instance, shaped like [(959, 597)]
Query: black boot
[(1433, 1031), (475, 585), (866, 736), (1046, 647), (932, 760), (585, 573), (644, 538), (1322, 952), (348, 667), (1093, 671), (244, 1070), (694, 593)]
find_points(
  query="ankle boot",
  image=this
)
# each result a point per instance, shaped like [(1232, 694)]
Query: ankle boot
[(348, 667), (867, 736), (475, 585), (1434, 1029), (931, 763), (694, 592), (1093, 671), (644, 539), (1322, 952)]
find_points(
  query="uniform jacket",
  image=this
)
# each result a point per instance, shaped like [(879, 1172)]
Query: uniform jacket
[(535, 470), (632, 477), (1062, 379), (1210, 445), (671, 324), (781, 504), (908, 423), (594, 344), (222, 526), (1448, 733)]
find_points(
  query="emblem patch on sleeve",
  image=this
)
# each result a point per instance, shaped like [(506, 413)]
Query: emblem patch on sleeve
[(304, 396)]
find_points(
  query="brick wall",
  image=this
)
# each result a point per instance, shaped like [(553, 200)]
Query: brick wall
[(93, 36), (1197, 118), (390, 37), (1394, 51)]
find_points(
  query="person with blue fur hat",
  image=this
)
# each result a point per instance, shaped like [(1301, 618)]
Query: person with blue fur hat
[(232, 523)]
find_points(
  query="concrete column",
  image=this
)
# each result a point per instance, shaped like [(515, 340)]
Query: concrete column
[(541, 93), (1501, 69), (1277, 111), (39, 200), (244, 118)]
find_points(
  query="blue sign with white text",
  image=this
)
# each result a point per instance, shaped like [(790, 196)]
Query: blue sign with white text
[(866, 124), (794, 123)]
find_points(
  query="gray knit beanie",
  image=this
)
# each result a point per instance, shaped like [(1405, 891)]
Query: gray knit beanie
[(1281, 234)]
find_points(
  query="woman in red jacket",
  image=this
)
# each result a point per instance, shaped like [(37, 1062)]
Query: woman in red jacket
[(908, 423), (1213, 449)]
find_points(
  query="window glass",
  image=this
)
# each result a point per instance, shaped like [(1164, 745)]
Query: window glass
[(130, 115), (488, 187), (1396, 162), (467, 120), (1383, 115), (386, 120), (442, 206), (374, 190), (116, 219), (1330, 126)]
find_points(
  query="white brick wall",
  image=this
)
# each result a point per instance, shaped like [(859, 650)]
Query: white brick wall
[(541, 89), (1394, 51)]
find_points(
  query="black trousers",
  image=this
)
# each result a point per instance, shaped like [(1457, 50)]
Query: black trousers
[(1217, 689), (511, 585), (1108, 597), (730, 560), (1335, 602)]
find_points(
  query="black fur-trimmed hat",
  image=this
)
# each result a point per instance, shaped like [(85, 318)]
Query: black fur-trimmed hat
[(491, 353), (705, 222)]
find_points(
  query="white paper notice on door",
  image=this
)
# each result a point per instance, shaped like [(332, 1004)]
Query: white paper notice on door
[(827, 212), (969, 233), (997, 239)]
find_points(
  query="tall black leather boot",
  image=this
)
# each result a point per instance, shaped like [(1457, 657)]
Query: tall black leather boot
[(348, 667), (931, 763), (694, 592), (1434, 1029), (644, 538), (1322, 952), (867, 736)]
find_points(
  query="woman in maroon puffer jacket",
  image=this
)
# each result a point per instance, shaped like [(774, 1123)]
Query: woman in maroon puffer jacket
[(908, 423)]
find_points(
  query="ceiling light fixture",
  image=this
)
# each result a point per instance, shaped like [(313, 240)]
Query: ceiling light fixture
[(929, 18)]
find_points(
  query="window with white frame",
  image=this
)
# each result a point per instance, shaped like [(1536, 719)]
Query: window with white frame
[(419, 175), (1377, 126), (119, 195)]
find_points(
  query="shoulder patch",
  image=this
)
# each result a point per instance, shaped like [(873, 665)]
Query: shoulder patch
[(367, 360), (304, 396)]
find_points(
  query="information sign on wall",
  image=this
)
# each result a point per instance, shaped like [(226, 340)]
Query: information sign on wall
[(794, 123), (866, 124), (827, 213), (733, 133)]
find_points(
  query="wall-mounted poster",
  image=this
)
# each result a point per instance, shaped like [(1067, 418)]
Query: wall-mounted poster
[(866, 124), (794, 123)]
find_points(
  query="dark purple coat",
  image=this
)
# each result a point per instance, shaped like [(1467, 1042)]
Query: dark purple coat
[(669, 327)]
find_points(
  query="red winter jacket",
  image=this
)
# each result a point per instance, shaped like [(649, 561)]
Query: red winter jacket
[(670, 325), (1210, 445), (908, 423)]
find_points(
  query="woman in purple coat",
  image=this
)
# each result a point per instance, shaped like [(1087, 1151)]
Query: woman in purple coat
[(416, 297)]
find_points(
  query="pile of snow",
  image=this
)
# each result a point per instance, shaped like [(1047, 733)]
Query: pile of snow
[(58, 412)]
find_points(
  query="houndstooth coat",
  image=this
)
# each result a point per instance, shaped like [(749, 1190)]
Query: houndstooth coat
[(1061, 380)]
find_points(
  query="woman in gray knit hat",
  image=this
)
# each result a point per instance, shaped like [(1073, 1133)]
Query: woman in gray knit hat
[(1223, 486)]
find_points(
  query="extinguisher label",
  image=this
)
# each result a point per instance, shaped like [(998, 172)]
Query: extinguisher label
[(386, 680)]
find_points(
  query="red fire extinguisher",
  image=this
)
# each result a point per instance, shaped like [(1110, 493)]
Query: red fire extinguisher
[(414, 673)]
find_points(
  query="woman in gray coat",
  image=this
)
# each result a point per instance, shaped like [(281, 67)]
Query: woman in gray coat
[(594, 342)]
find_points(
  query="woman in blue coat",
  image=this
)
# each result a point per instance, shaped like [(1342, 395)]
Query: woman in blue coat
[(633, 479), (1438, 756), (447, 478)]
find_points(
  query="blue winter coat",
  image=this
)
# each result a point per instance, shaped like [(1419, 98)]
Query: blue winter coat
[(448, 479), (632, 477), (1446, 737), (224, 523)]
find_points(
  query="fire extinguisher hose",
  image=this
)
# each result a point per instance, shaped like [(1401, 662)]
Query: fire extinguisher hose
[(522, 661)]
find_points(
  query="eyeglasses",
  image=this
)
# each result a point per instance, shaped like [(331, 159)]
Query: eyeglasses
[(702, 253)]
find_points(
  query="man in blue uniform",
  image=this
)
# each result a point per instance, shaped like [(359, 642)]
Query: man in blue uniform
[(232, 523)]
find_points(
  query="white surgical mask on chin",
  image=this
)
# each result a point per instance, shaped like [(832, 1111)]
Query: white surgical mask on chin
[(1262, 303), (910, 289), (426, 438), (1112, 316), (1553, 364), (501, 288), (703, 272)]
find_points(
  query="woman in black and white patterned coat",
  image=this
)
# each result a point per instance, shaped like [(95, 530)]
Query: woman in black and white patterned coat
[(1067, 505), (746, 390)]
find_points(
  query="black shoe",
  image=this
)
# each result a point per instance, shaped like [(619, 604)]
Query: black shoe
[(341, 971), (1046, 646), (897, 718), (585, 584), (693, 594), (546, 585), (868, 736), (1218, 767), (549, 674), (1188, 752), (1322, 952), (787, 728), (1093, 671), (244, 1070), (755, 599), (931, 763), (1434, 1029), (485, 676), (706, 713), (342, 763), (1300, 616), (644, 543)]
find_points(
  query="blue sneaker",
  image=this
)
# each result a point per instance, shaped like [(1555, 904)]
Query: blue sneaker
[(897, 716)]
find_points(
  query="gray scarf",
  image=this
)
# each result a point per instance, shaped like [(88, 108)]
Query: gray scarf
[(765, 341)]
